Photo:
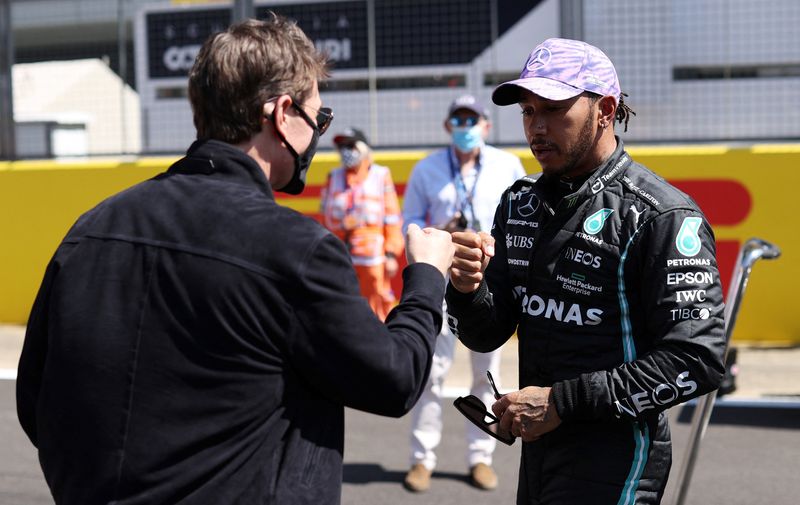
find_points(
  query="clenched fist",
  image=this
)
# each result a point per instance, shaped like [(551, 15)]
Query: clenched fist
[(429, 245), (473, 250)]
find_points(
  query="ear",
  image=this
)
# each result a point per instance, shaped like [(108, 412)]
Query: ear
[(607, 110), (278, 109), (447, 127)]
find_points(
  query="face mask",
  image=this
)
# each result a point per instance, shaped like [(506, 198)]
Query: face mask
[(467, 139), (350, 157), (297, 183)]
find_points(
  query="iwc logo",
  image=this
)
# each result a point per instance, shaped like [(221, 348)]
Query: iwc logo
[(594, 223)]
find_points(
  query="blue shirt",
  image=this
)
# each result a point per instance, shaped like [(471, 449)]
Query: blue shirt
[(431, 196)]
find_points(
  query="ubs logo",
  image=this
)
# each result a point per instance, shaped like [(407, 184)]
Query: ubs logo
[(518, 241), (528, 207)]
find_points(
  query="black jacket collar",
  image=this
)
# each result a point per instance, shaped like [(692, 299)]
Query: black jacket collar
[(223, 161), (607, 172)]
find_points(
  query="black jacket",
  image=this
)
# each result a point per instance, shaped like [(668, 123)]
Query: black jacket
[(193, 342), (615, 295)]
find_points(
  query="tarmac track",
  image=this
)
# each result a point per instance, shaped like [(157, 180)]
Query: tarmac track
[(750, 456)]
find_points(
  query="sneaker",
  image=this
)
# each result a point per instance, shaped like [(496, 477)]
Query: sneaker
[(418, 479), (483, 477)]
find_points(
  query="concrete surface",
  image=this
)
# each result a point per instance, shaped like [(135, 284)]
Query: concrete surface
[(763, 372)]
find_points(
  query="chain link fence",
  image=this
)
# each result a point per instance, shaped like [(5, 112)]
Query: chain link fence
[(108, 77)]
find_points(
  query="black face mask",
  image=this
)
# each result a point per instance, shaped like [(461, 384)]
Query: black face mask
[(297, 183)]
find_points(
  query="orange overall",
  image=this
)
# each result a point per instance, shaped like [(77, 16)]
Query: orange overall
[(360, 207)]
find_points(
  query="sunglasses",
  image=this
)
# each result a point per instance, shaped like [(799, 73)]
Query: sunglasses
[(324, 117), (457, 122), (473, 409)]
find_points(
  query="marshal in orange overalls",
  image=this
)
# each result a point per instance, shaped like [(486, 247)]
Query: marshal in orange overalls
[(359, 205)]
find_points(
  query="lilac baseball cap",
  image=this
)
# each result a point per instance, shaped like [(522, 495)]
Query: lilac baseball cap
[(558, 69)]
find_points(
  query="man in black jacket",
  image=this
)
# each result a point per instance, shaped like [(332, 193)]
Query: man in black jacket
[(193, 342), (607, 274)]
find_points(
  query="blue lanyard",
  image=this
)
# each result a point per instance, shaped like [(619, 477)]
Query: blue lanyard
[(463, 199)]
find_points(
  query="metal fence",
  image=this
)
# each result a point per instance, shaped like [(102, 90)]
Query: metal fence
[(108, 77)]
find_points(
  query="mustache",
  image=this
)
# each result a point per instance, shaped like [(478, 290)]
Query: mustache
[(540, 142)]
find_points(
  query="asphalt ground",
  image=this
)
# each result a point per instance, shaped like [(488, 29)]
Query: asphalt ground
[(750, 453)]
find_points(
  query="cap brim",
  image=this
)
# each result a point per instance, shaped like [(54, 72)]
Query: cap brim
[(474, 110), (510, 92)]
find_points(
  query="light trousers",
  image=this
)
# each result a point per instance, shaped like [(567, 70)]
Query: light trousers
[(426, 416)]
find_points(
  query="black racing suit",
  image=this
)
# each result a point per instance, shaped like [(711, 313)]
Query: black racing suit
[(615, 296)]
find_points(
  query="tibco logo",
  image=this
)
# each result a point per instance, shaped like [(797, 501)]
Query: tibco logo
[(663, 394), (536, 306), (695, 313)]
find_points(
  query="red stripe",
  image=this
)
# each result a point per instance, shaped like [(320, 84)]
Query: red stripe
[(315, 191), (727, 252), (724, 201)]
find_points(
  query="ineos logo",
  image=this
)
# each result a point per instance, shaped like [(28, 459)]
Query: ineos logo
[(539, 58), (662, 394)]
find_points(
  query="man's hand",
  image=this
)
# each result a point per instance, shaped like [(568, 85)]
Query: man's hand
[(430, 246), (472, 254), (528, 413)]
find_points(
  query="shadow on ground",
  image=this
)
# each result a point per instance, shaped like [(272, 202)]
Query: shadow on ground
[(767, 416), (366, 473)]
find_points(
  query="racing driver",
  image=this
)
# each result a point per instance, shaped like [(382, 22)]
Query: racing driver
[(608, 275)]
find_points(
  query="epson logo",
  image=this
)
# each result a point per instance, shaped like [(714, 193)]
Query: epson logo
[(695, 278), (583, 257), (692, 295), (536, 306), (662, 394)]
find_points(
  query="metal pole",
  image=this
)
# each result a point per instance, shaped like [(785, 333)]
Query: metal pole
[(372, 75), (571, 19), (8, 143), (753, 250), (242, 9), (494, 35), (122, 53)]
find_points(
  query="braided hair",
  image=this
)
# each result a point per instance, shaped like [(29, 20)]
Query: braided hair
[(623, 113)]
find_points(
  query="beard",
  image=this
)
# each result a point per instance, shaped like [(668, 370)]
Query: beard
[(577, 153)]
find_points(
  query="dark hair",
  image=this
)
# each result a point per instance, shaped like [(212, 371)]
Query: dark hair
[(238, 70), (623, 114)]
